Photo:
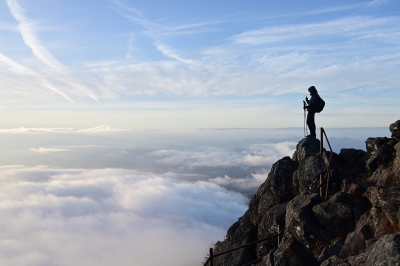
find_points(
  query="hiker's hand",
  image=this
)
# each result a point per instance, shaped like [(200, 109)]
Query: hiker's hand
[(306, 99)]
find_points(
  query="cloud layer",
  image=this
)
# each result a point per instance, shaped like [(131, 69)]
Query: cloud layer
[(109, 217)]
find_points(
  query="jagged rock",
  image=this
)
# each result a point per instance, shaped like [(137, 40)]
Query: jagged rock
[(269, 259), (388, 199), (358, 260), (302, 224), (363, 194), (352, 188), (380, 176), (305, 148), (335, 261), (372, 225), (241, 233), (331, 250), (278, 188), (380, 152), (231, 231), (386, 251), (292, 252), (395, 129), (354, 161), (396, 163), (335, 216), (355, 241), (389, 176), (340, 213), (310, 164), (269, 226)]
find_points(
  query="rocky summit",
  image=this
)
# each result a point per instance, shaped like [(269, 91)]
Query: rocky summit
[(352, 223)]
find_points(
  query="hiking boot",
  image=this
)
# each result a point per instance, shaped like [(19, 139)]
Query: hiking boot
[(311, 136)]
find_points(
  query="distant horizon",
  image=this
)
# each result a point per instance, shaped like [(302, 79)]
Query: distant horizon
[(203, 64), (133, 126), (193, 128)]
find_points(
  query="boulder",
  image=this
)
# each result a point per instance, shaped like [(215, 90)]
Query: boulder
[(339, 214), (371, 226), (396, 163), (386, 251), (269, 259), (389, 177), (354, 161), (335, 261), (308, 173), (381, 153), (278, 188), (331, 250), (292, 252), (302, 224), (240, 233), (388, 200), (335, 217), (268, 227), (356, 241), (351, 188), (305, 148), (395, 129), (358, 260)]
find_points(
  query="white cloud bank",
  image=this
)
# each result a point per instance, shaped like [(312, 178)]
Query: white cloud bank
[(109, 217), (254, 155)]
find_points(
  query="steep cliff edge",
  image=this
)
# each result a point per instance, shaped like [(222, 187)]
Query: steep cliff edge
[(357, 224)]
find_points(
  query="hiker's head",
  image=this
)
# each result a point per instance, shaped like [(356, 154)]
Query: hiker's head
[(312, 90)]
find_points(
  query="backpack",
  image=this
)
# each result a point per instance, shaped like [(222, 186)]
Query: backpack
[(319, 105)]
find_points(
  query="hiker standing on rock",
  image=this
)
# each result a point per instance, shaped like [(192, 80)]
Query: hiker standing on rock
[(315, 105)]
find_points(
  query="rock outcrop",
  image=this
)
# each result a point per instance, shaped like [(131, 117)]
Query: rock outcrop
[(358, 223)]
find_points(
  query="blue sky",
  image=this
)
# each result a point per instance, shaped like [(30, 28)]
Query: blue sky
[(82, 184), (197, 64)]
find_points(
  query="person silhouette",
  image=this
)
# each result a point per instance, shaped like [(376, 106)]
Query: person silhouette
[(312, 108)]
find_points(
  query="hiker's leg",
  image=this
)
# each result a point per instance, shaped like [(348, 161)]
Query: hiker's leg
[(311, 122)]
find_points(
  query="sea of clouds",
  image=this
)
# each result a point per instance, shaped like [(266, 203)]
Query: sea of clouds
[(116, 197)]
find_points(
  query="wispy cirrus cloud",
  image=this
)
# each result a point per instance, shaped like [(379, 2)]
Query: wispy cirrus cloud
[(62, 148), (353, 27), (61, 73), (98, 129), (49, 150), (27, 31), (25, 71)]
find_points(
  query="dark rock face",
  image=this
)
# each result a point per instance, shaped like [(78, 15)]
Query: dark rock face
[(302, 224), (340, 213), (240, 233), (335, 261), (269, 226), (278, 187), (395, 129), (310, 164), (381, 153), (386, 251), (357, 224), (292, 252), (331, 250), (356, 241), (335, 217), (354, 161)]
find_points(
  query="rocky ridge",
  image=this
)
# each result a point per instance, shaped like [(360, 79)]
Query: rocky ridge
[(357, 224)]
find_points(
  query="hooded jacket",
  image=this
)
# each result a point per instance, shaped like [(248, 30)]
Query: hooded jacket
[(312, 103)]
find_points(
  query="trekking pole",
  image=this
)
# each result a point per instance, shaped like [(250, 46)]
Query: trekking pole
[(305, 131)]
